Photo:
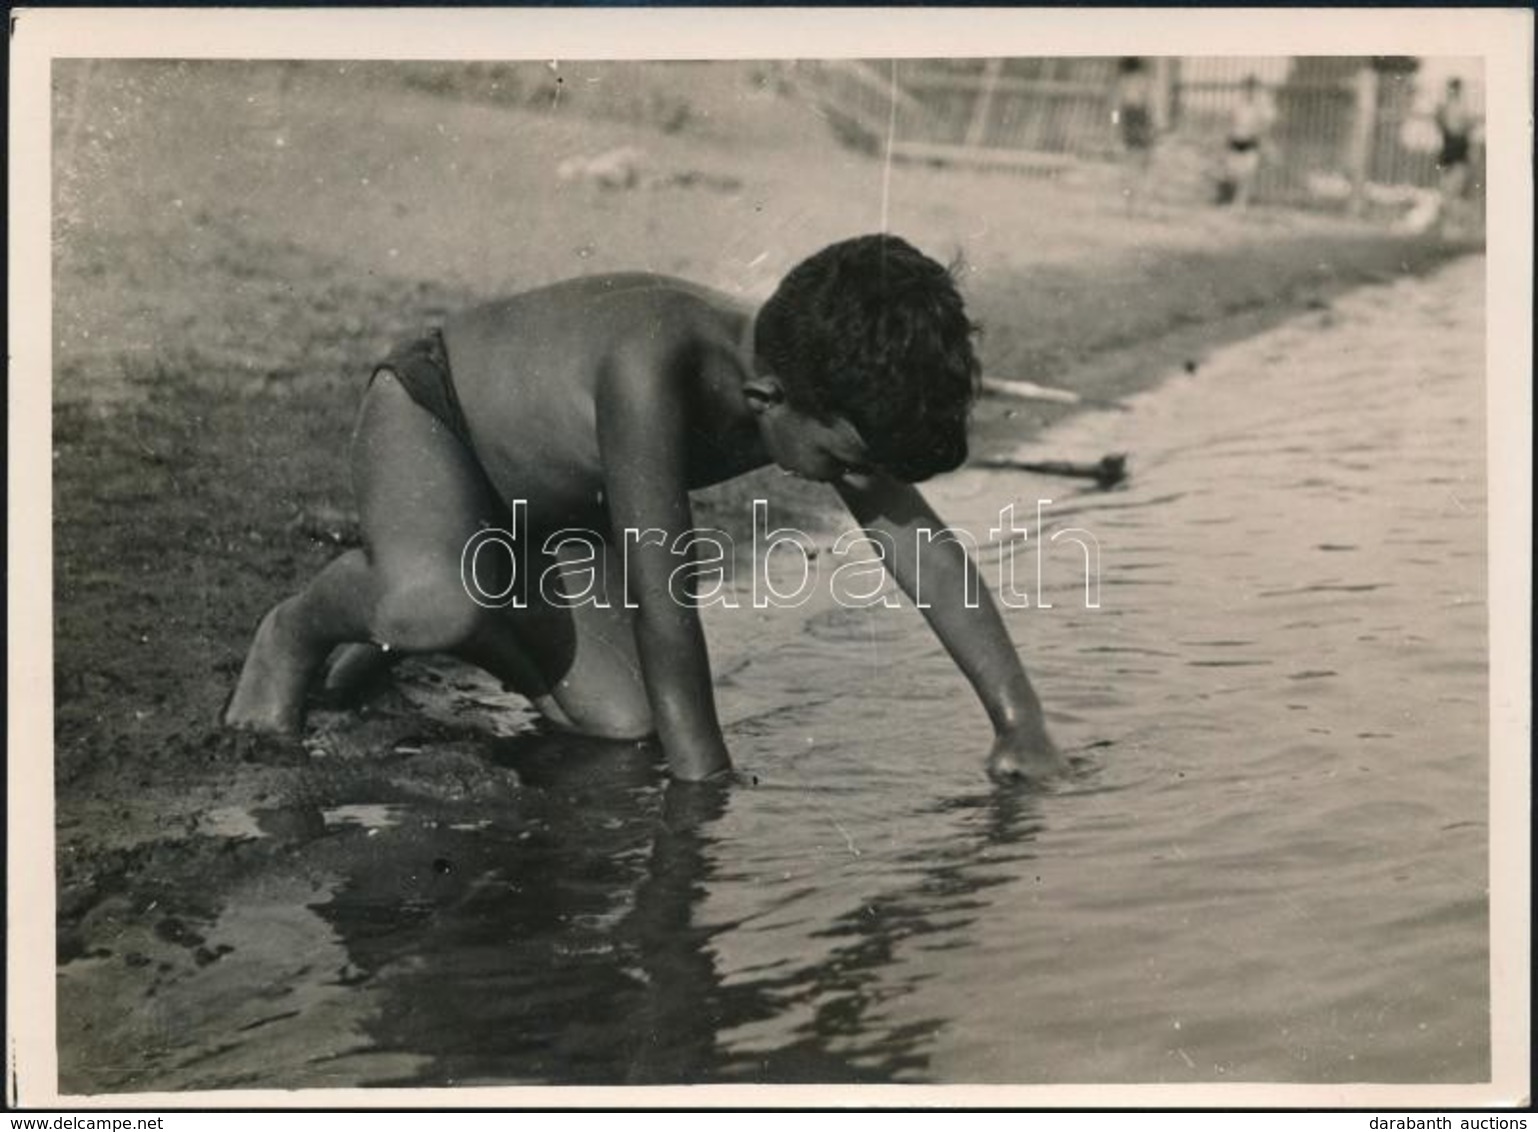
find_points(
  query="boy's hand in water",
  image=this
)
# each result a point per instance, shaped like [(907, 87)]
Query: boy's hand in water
[(1021, 758)]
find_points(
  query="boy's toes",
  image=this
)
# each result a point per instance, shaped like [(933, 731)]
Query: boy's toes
[(270, 748), (257, 705), (248, 720), (265, 748)]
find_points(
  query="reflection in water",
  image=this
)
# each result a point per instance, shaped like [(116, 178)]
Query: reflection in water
[(565, 944), (846, 1038), (494, 947), (676, 1022)]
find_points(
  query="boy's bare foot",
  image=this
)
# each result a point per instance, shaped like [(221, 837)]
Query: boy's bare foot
[(269, 697)]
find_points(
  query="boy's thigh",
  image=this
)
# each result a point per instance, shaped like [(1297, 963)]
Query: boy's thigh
[(422, 498), (421, 493)]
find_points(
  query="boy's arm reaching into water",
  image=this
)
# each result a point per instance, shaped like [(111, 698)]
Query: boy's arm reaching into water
[(975, 637), (641, 434)]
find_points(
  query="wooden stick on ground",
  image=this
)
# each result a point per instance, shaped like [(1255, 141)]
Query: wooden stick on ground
[(1108, 471)]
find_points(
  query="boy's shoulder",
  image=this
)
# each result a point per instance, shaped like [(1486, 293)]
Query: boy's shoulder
[(611, 292), (615, 305), (578, 333)]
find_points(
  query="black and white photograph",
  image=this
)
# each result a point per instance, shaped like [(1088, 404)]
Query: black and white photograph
[(870, 554)]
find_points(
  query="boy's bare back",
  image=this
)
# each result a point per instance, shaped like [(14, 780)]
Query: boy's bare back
[(531, 370)]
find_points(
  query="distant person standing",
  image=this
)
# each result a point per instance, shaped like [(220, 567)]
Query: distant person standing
[(1133, 115), (1456, 125), (1250, 123)]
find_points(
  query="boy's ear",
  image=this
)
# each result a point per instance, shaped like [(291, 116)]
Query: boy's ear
[(763, 391)]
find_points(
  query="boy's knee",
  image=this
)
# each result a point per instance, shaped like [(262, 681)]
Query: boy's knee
[(616, 715), (425, 616), (618, 722)]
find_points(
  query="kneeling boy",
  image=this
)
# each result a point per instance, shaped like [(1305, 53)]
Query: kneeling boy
[(602, 402)]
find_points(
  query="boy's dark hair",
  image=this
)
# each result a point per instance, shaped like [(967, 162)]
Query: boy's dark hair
[(874, 331)]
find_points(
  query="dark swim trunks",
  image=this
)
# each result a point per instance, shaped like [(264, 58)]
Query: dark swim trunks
[(421, 365), (1455, 149), (1243, 145), (1137, 128)]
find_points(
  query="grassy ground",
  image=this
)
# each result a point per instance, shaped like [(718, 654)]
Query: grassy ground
[(234, 245)]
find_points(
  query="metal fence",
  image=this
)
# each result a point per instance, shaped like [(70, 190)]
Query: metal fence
[(1023, 112), (1343, 127)]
